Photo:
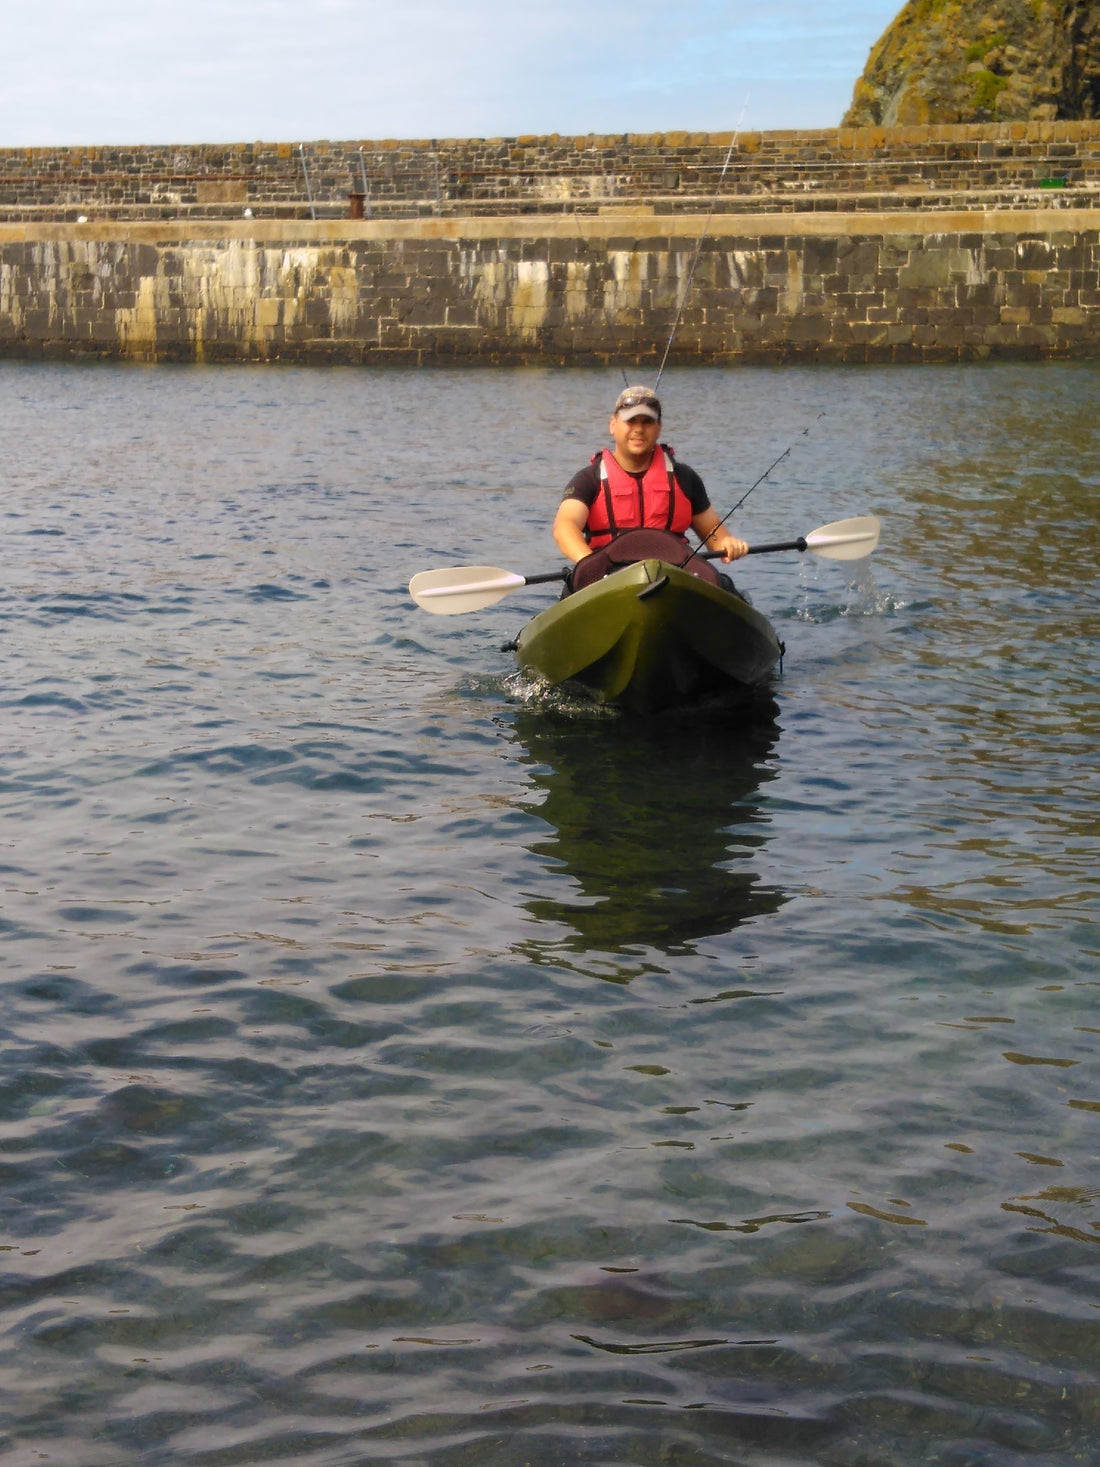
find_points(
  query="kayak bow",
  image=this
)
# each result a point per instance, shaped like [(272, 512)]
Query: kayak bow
[(650, 636)]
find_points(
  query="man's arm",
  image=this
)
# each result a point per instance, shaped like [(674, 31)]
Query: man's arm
[(569, 523)]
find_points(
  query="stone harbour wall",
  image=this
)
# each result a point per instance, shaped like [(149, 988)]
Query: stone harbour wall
[(826, 169), (950, 285)]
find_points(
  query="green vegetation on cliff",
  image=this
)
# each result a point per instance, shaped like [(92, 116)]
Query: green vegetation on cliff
[(982, 61)]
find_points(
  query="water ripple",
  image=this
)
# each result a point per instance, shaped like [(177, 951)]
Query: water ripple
[(404, 1061)]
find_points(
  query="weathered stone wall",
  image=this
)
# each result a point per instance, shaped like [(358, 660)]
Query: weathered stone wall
[(860, 287), (829, 169)]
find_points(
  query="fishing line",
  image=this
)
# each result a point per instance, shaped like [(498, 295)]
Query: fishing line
[(699, 247), (676, 323), (731, 512)]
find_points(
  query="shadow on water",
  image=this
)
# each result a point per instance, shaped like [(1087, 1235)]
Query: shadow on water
[(656, 826)]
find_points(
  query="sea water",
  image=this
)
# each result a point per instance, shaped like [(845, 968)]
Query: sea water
[(402, 1063)]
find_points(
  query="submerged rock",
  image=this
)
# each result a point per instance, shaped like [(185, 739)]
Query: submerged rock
[(953, 61)]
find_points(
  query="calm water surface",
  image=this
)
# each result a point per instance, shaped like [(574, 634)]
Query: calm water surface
[(403, 1065)]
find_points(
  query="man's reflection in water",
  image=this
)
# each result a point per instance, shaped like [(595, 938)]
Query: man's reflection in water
[(657, 824)]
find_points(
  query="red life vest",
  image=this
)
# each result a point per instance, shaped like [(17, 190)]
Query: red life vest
[(658, 503)]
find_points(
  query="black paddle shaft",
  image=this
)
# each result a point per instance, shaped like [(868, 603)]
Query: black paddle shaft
[(558, 575), (799, 544)]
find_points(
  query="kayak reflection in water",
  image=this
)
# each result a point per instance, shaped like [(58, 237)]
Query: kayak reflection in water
[(654, 833), (637, 484)]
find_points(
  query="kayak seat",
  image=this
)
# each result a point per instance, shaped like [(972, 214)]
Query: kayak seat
[(635, 545)]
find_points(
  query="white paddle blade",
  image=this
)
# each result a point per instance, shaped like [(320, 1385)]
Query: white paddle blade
[(845, 539), (465, 588)]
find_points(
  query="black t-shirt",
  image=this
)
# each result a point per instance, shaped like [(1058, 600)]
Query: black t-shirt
[(586, 485)]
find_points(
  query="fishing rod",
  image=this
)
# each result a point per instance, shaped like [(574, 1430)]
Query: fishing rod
[(699, 246), (731, 512)]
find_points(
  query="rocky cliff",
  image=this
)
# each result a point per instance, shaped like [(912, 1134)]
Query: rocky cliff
[(950, 61)]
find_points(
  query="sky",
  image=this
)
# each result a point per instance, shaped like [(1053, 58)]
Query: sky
[(146, 71)]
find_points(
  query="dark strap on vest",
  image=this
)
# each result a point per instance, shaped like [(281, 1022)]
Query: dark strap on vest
[(609, 503)]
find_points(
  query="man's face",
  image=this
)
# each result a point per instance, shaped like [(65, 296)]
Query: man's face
[(634, 438)]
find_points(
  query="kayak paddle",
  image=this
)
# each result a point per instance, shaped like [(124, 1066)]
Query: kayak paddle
[(471, 587), (842, 540)]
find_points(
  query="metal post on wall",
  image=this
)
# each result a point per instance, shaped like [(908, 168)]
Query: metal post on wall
[(366, 184), (305, 175)]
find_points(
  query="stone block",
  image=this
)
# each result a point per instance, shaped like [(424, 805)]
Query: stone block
[(1071, 256), (461, 314), (857, 256), (985, 294), (36, 323), (955, 334), (267, 313), (926, 269), (392, 282), (822, 256), (1071, 316), (872, 334), (1001, 336), (1022, 292), (221, 191), (808, 328), (1034, 254), (1039, 336), (910, 302), (421, 313)]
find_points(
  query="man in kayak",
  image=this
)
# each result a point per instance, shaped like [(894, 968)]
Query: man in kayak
[(637, 484)]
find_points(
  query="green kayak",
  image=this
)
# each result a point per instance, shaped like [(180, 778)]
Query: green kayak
[(648, 623), (650, 636)]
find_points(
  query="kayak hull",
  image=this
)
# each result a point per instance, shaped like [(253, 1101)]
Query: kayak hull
[(650, 636)]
